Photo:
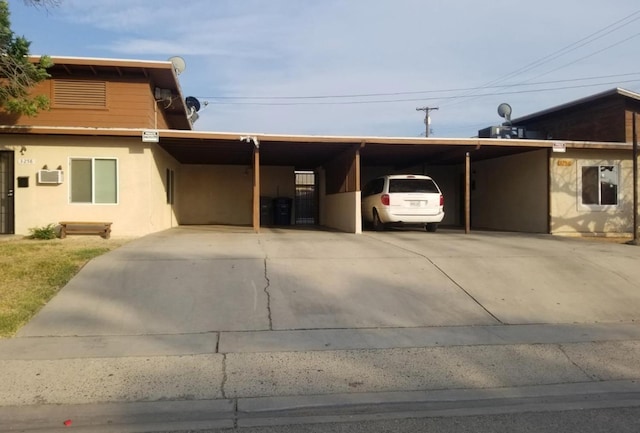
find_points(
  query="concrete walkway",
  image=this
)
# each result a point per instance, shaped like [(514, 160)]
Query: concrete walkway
[(237, 326)]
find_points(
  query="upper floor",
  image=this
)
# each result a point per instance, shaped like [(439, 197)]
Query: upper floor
[(109, 93)]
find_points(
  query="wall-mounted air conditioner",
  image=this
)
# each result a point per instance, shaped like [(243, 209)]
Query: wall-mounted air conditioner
[(50, 176)]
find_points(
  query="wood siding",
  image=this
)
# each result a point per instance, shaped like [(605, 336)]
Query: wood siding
[(601, 120), (80, 103)]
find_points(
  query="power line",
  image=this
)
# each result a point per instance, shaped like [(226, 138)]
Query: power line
[(567, 49), (415, 92), (585, 57), (439, 98), (571, 47)]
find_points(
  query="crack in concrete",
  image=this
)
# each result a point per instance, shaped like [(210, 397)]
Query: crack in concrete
[(442, 271), (224, 376), (576, 365), (266, 291), (464, 290)]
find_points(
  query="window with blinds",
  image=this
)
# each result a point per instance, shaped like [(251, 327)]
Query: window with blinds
[(80, 94)]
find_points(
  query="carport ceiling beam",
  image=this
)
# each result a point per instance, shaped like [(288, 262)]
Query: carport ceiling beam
[(448, 156)]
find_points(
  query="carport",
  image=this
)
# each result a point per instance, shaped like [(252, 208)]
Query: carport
[(476, 175)]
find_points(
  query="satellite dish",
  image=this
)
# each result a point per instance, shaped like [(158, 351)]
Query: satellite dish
[(504, 110), (179, 64), (192, 103)]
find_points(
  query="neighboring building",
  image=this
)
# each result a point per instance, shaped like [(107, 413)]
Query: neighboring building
[(118, 146), (606, 116), (591, 190)]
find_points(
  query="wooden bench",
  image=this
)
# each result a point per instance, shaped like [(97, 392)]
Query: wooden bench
[(85, 228)]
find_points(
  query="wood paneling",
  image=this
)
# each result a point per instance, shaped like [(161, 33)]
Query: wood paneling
[(78, 103), (598, 120)]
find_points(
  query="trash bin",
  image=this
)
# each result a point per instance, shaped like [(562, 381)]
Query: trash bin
[(282, 211), (266, 211)]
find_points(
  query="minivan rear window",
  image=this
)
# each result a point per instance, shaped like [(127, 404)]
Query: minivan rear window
[(412, 185)]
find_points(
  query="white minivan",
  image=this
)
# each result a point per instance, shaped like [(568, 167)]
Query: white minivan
[(402, 199)]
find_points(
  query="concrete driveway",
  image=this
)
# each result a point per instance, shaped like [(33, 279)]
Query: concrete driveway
[(205, 279)]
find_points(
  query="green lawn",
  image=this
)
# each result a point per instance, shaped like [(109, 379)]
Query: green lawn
[(32, 271)]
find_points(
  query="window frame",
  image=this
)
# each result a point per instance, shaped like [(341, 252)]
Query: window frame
[(93, 180), (579, 192)]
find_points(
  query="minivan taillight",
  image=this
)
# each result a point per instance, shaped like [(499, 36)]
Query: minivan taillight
[(441, 200), (385, 199)]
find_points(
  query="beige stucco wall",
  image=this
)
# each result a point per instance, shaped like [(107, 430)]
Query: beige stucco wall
[(162, 215), (338, 211), (511, 193), (342, 212), (141, 206), (223, 194), (568, 216), (277, 181), (214, 194)]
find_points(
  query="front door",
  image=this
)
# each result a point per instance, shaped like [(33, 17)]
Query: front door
[(6, 193)]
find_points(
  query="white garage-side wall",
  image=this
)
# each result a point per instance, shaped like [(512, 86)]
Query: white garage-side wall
[(140, 208), (511, 193), (568, 215)]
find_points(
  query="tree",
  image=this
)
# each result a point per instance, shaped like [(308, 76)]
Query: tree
[(18, 74)]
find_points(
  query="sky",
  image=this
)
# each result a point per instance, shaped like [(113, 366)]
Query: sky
[(357, 67)]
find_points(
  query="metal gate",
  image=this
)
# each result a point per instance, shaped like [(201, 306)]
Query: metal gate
[(6, 193), (306, 203)]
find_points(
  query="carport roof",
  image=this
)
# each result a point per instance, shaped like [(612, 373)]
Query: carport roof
[(310, 151)]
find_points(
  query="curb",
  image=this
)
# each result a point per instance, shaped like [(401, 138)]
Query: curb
[(130, 417)]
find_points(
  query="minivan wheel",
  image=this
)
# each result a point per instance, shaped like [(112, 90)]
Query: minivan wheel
[(431, 227), (377, 224)]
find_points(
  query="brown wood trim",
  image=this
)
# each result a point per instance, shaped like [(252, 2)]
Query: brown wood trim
[(256, 189), (213, 136)]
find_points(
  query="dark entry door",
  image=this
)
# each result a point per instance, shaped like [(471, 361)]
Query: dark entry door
[(6, 193)]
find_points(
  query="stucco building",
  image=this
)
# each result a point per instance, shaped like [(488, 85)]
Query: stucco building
[(118, 145)]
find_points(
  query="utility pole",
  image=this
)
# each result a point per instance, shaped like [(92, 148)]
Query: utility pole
[(427, 118)]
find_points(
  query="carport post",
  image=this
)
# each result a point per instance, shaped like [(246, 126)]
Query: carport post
[(467, 193), (635, 180), (256, 187)]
